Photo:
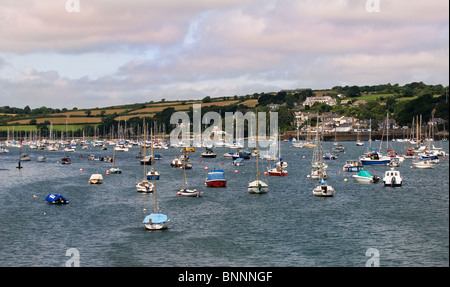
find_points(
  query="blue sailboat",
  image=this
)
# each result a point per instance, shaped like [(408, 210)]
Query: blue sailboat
[(155, 220)]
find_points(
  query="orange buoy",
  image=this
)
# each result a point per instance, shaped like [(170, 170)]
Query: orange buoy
[(235, 171), (206, 168), (266, 173)]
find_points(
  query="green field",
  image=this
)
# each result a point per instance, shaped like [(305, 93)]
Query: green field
[(28, 128)]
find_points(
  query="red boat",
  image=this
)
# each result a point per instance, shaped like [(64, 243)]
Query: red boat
[(277, 171), (216, 178)]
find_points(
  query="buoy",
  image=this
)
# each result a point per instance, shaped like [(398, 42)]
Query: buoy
[(345, 179), (266, 173), (179, 193), (308, 176), (200, 156), (89, 181), (81, 169), (206, 168), (235, 171), (107, 172), (340, 172), (199, 161), (34, 196), (221, 162), (303, 156), (443, 158)]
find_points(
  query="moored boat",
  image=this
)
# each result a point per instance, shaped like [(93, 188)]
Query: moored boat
[(364, 176), (216, 178), (392, 178), (323, 190)]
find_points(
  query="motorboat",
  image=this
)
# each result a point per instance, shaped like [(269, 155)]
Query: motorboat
[(364, 176), (65, 160), (177, 162), (144, 187), (238, 161), (329, 156), (323, 190), (374, 158), (392, 178), (424, 164), (152, 173), (245, 154), (209, 154), (216, 178), (352, 166), (96, 178), (41, 158), (25, 157), (56, 198)]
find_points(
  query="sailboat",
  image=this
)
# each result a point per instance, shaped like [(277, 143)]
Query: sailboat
[(145, 186), (156, 220), (318, 167), (186, 191), (19, 166), (257, 186), (114, 169)]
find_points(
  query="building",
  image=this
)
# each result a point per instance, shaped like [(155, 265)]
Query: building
[(324, 99)]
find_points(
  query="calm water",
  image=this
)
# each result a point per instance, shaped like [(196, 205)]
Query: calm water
[(288, 226)]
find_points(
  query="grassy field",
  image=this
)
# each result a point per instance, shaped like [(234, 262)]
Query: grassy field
[(79, 117), (28, 128)]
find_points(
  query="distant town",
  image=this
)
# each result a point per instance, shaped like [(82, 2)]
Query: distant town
[(343, 113)]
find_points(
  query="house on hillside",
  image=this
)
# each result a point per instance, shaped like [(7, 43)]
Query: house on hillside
[(324, 99)]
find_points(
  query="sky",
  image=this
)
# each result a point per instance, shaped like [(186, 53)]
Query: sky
[(113, 52)]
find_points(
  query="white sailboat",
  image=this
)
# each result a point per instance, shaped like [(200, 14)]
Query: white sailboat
[(257, 186), (156, 220), (144, 186), (186, 191), (114, 169), (318, 167)]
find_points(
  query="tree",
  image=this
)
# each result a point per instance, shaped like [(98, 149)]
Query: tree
[(206, 99), (353, 91)]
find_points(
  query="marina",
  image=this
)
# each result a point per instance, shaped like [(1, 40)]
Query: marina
[(228, 226)]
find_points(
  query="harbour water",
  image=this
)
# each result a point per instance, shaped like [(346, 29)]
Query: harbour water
[(288, 226)]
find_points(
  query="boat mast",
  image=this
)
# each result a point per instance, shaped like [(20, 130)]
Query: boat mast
[(154, 172), (184, 168), (257, 148)]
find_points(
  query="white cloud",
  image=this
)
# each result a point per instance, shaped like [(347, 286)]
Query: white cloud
[(115, 52)]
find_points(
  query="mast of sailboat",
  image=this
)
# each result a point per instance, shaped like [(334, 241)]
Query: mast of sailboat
[(184, 168), (257, 148), (145, 145), (154, 171)]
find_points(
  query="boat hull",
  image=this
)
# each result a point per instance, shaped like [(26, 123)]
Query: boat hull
[(156, 222), (278, 173), (257, 187), (323, 191), (375, 162), (216, 183), (190, 193)]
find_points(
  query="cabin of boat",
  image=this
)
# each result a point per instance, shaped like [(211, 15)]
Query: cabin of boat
[(392, 178), (216, 178)]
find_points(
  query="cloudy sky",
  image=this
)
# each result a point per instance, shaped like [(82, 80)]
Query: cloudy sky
[(115, 52)]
